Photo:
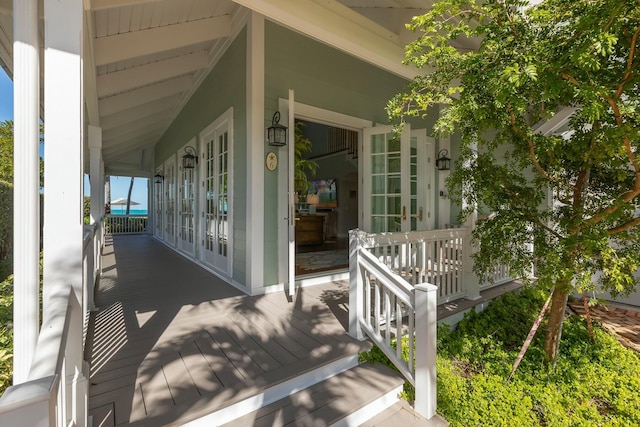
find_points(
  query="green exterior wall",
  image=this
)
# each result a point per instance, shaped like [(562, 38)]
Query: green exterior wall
[(326, 78), (224, 87)]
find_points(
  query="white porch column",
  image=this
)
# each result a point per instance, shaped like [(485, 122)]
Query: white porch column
[(96, 177), (95, 148), (255, 152), (63, 153), (26, 186)]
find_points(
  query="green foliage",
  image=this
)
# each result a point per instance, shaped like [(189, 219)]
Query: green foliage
[(6, 219), (532, 63), (6, 334), (86, 209), (593, 384), (302, 166)]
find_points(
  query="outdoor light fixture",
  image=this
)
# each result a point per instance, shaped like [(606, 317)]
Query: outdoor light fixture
[(443, 163), (189, 160), (158, 178), (277, 133)]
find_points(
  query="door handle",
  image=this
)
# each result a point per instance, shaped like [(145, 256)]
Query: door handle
[(420, 213), (404, 213)]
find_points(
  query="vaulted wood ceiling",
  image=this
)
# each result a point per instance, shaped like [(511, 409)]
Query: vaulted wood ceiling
[(144, 58)]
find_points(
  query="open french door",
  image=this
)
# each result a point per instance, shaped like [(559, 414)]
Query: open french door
[(396, 180), (291, 272)]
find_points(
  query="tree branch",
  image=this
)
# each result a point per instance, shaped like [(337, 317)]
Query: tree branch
[(532, 151), (632, 53), (624, 227)]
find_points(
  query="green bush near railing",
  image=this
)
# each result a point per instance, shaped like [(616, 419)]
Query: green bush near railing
[(6, 332), (593, 383), (122, 224)]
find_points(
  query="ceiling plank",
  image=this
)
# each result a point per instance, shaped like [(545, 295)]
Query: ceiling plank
[(164, 107), (336, 25), (110, 4), (121, 81), (125, 46), (142, 126), (117, 103)]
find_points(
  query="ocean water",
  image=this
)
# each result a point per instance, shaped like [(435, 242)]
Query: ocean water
[(117, 210)]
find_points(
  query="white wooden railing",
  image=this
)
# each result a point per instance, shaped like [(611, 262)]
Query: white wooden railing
[(385, 307), (55, 393), (125, 224)]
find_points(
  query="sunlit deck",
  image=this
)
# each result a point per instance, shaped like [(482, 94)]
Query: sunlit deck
[(171, 341)]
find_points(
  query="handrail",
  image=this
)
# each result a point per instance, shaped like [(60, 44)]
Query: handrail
[(385, 306), (55, 391), (56, 374), (395, 283), (125, 224)]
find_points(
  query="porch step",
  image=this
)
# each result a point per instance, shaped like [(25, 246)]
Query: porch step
[(349, 398)]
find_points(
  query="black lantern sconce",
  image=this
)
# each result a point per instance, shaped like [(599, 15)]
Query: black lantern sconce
[(443, 163), (189, 159), (158, 178), (277, 133)]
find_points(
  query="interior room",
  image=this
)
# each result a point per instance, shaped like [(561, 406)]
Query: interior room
[(328, 208)]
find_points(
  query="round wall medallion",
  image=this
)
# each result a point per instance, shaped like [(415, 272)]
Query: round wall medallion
[(271, 161)]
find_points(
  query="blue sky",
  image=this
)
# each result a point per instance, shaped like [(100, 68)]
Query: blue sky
[(119, 185)]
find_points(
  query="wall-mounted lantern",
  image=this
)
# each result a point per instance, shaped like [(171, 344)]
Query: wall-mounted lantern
[(189, 159), (277, 133), (158, 178), (443, 163)]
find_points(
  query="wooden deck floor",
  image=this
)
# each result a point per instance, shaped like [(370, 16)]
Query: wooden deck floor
[(171, 341)]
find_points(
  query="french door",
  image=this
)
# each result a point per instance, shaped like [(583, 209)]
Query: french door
[(170, 201), (397, 179), (187, 195), (216, 243)]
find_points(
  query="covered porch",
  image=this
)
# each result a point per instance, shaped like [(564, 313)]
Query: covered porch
[(170, 342)]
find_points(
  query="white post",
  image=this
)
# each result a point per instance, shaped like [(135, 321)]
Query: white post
[(63, 225), (470, 281), (97, 205), (63, 194), (356, 296), (426, 330), (26, 186), (255, 152)]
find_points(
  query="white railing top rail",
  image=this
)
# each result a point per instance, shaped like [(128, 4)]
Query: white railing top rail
[(390, 280), (394, 238)]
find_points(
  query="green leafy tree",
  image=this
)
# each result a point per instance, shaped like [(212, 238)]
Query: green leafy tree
[(575, 195), (302, 166)]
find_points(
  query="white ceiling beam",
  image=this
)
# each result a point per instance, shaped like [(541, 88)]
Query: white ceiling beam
[(164, 108), (110, 4), (337, 25), (129, 144), (121, 81), (141, 127), (113, 155), (555, 123), (125, 46), (114, 104)]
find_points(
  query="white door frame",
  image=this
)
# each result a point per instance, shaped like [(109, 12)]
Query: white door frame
[(321, 116)]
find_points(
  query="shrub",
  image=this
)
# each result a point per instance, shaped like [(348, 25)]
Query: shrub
[(593, 383), (6, 334)]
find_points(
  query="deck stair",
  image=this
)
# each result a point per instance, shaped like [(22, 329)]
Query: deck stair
[(349, 398)]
